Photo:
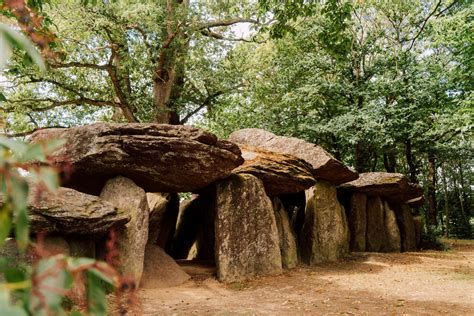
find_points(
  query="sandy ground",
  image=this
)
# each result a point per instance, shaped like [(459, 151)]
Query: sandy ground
[(421, 283)]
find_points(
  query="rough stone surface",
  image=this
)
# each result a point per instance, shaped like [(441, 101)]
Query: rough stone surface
[(280, 173), (358, 221), (157, 203), (132, 239), (68, 211), (325, 233), (325, 166), (406, 226), (376, 237), (247, 242), (419, 226), (81, 247), (393, 241), (158, 157), (393, 186), (288, 248), (160, 270)]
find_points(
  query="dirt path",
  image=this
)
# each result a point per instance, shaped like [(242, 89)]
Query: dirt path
[(426, 283)]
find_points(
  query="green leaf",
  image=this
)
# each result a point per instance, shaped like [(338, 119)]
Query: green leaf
[(2, 97), (21, 229), (49, 177), (50, 274), (10, 38), (6, 309), (33, 152), (5, 223), (96, 298)]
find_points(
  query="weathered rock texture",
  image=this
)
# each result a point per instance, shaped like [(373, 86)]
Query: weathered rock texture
[(407, 227), (280, 173), (247, 242), (376, 237), (358, 221), (419, 225), (325, 166), (160, 270), (158, 157), (130, 198), (68, 211), (157, 206), (393, 186), (288, 247), (325, 234), (392, 233)]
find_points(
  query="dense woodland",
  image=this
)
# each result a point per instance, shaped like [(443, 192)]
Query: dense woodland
[(382, 85)]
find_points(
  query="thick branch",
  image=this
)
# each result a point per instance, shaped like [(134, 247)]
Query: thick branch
[(229, 22), (57, 103), (221, 37)]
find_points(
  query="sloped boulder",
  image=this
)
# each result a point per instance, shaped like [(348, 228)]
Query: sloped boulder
[(324, 165), (68, 211), (280, 173), (358, 221), (288, 247), (392, 233), (376, 238), (247, 242), (393, 186), (157, 157), (132, 238), (160, 270), (325, 234)]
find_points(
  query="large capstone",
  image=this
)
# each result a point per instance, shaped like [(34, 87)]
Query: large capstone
[(392, 186), (247, 242), (325, 233), (280, 173), (157, 157), (324, 165), (132, 239), (68, 211)]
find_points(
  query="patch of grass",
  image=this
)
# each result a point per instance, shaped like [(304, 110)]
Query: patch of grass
[(237, 286)]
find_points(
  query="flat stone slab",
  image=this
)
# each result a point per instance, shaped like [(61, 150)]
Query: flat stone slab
[(280, 173), (157, 157), (393, 186), (68, 211), (324, 165)]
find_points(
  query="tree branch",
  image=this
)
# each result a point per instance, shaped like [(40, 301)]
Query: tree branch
[(425, 21), (229, 22), (218, 36), (80, 65)]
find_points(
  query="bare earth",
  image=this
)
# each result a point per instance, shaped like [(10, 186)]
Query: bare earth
[(417, 283)]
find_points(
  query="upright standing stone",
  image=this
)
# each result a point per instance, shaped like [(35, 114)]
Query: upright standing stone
[(289, 251), (127, 196), (247, 241), (393, 242), (376, 238), (157, 203), (419, 225), (358, 221), (407, 228), (325, 235)]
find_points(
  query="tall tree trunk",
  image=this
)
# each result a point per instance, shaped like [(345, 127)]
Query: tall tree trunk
[(412, 168), (390, 160), (461, 198), (432, 211), (169, 68), (446, 202), (363, 156)]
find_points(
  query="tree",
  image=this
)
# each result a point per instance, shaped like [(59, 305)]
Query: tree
[(135, 57)]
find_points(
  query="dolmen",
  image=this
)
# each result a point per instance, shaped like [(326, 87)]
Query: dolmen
[(379, 214), (254, 204)]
